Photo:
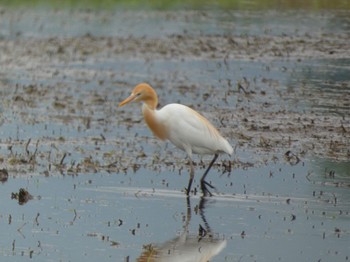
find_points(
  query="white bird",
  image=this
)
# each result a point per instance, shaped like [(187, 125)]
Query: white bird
[(182, 126)]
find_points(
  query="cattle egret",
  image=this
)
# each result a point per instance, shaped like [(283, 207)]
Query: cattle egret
[(182, 126)]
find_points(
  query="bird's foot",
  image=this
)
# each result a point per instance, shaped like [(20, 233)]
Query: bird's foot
[(202, 232), (204, 188)]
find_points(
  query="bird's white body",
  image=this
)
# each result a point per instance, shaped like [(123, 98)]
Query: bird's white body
[(189, 131)]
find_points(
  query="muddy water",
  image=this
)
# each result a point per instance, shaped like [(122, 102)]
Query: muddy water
[(276, 84)]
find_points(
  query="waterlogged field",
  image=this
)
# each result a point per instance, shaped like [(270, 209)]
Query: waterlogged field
[(85, 180)]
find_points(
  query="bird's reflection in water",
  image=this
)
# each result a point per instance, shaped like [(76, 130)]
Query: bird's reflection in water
[(187, 247)]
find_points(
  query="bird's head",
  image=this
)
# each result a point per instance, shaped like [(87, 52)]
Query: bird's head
[(142, 93)]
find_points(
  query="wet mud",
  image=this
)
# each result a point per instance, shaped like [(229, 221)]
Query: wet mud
[(23, 196), (76, 82)]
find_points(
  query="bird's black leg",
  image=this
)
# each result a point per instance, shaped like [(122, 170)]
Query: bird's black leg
[(204, 183), (188, 190)]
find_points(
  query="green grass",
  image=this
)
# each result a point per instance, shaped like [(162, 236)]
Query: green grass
[(183, 4)]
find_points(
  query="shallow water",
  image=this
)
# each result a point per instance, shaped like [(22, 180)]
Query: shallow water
[(104, 189), (104, 216)]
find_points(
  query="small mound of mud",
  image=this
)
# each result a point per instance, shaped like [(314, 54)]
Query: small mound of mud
[(23, 196)]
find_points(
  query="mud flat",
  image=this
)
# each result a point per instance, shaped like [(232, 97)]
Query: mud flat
[(270, 93)]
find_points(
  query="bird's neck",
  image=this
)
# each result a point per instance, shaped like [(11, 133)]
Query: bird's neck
[(151, 100), (157, 127)]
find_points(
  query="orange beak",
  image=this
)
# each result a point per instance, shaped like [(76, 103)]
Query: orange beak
[(127, 100)]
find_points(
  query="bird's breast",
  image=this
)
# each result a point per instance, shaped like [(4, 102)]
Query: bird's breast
[(157, 126)]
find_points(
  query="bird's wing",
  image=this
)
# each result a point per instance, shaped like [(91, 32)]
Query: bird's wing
[(188, 129)]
